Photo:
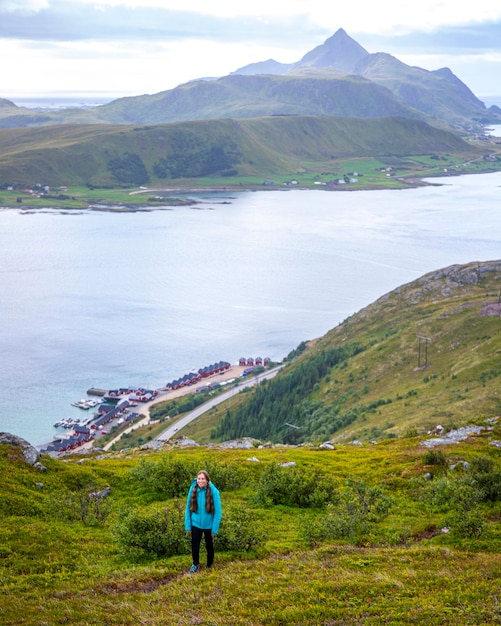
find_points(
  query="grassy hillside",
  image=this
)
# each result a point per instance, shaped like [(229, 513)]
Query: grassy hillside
[(238, 97), (350, 536), (426, 354), (112, 156), (393, 531)]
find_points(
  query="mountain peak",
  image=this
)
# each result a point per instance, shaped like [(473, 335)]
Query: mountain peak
[(339, 51)]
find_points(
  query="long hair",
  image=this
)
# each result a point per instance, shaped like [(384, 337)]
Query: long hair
[(209, 503)]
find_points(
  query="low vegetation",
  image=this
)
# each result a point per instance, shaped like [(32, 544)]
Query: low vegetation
[(354, 535), (421, 356), (72, 166), (391, 521)]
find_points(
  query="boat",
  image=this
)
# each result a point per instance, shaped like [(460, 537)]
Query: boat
[(81, 404), (67, 422)]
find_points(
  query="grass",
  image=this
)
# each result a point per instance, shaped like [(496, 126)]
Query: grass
[(308, 149), (371, 174), (57, 567)]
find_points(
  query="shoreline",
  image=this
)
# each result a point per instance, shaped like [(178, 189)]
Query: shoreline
[(157, 205), (169, 203), (143, 409)]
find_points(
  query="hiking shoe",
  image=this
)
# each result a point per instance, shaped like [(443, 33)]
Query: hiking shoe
[(194, 568)]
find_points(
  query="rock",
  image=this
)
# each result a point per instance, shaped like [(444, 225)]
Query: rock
[(99, 495), (39, 466), (184, 442), (247, 443), (454, 436), (355, 442), (496, 444), (327, 445), (30, 453), (289, 464), (253, 459)]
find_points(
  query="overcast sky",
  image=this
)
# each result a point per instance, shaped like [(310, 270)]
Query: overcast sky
[(117, 47)]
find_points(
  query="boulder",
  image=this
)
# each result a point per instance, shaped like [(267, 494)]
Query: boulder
[(99, 495), (327, 445), (30, 453)]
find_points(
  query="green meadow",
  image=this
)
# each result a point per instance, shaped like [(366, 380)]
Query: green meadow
[(73, 166), (388, 533), (373, 527)]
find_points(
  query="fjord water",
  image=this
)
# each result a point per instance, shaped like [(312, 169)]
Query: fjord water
[(112, 299)]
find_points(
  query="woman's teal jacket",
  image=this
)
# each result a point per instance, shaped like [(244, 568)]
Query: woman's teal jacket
[(200, 518)]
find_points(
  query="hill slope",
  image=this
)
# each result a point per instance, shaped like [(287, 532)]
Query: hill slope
[(424, 354), (239, 97), (105, 155)]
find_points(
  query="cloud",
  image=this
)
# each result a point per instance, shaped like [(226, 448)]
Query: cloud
[(384, 16), (260, 20), (162, 43), (70, 21), (22, 6)]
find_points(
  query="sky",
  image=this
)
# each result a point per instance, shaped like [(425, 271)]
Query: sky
[(112, 48)]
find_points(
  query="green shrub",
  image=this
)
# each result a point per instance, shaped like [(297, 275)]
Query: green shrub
[(81, 506), (487, 478), (169, 478), (452, 491), (359, 507), (466, 523), (158, 531), (459, 497), (239, 531), (434, 457), (292, 486), (165, 478)]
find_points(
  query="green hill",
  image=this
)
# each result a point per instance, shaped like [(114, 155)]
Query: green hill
[(106, 155), (240, 97), (402, 530), (424, 355)]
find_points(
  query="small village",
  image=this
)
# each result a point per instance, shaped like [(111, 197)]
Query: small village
[(118, 407)]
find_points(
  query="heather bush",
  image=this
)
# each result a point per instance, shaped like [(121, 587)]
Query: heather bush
[(171, 478), (157, 531), (292, 486), (352, 517)]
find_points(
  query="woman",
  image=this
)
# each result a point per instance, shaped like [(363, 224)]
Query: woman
[(202, 517)]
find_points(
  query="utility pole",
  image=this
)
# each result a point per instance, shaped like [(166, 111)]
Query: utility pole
[(426, 340)]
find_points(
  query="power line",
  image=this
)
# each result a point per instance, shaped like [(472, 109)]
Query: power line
[(420, 338)]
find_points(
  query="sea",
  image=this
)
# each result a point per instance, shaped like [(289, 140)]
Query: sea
[(105, 299)]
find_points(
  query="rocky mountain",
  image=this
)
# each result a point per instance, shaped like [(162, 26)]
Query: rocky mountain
[(339, 52), (438, 93), (337, 78)]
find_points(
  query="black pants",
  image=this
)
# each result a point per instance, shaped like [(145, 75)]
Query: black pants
[(196, 538)]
